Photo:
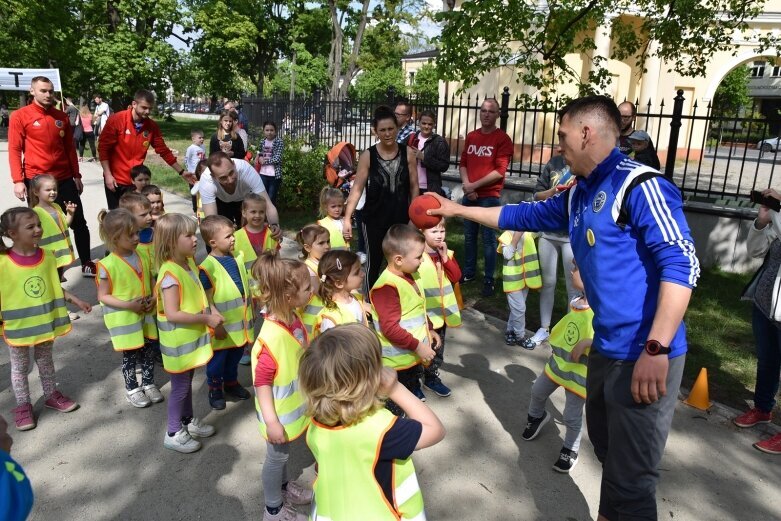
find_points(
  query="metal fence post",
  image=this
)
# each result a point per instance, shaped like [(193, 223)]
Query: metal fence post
[(675, 128), (504, 110), (391, 94), (316, 109)]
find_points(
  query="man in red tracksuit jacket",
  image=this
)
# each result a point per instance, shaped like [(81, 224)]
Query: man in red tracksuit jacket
[(487, 153), (40, 141), (124, 142)]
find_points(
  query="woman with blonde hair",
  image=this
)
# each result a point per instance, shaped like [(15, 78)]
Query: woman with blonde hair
[(227, 138)]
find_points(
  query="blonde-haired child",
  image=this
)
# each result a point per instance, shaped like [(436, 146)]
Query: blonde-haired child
[(363, 452), (331, 210), (283, 286), (141, 208), (226, 282), (520, 273), (255, 236), (183, 321), (32, 305), (55, 222), (341, 275), (125, 290), (315, 241), (436, 276)]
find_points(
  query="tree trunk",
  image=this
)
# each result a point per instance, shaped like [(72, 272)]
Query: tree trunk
[(352, 64), (335, 62), (293, 77)]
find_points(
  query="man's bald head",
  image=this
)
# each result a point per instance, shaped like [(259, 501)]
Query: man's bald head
[(600, 111)]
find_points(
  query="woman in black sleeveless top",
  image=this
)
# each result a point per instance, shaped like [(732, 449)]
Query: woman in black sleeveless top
[(388, 172)]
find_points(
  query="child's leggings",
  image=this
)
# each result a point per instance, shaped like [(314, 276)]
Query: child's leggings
[(274, 473), (144, 356), (573, 409), (20, 367), (180, 403)]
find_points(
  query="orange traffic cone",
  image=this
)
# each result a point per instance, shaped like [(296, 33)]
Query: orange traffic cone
[(698, 397)]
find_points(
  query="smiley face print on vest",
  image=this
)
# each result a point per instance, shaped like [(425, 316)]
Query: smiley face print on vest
[(35, 287)]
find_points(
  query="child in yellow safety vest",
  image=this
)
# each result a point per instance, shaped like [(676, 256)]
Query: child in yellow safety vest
[(283, 286), (184, 319), (570, 342), (341, 275), (331, 211), (520, 273), (55, 221), (226, 282), (437, 275), (315, 241), (125, 290), (363, 452), (32, 307), (399, 310), (155, 196)]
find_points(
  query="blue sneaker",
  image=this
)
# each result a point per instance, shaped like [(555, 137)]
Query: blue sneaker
[(436, 385), (418, 392), (216, 399)]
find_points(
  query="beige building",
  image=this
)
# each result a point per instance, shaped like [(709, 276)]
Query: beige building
[(655, 85)]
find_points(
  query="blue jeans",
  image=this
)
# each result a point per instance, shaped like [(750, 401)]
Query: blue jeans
[(223, 368), (271, 184), (768, 342), (470, 241)]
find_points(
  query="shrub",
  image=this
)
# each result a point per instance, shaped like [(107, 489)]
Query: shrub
[(302, 175)]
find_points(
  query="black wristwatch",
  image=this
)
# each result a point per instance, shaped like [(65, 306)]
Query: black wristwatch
[(653, 348)]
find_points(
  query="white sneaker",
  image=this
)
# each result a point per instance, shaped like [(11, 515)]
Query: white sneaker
[(181, 442), (540, 336), (286, 513), (137, 398), (153, 393), (200, 430), (297, 494)]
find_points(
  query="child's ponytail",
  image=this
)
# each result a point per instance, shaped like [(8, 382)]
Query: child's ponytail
[(278, 279), (307, 235), (333, 268)]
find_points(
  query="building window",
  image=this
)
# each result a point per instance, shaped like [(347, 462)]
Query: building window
[(412, 78), (758, 70), (776, 72)]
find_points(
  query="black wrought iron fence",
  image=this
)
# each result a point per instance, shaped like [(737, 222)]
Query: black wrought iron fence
[(711, 156)]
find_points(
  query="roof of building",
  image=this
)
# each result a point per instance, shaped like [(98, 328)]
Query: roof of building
[(421, 55)]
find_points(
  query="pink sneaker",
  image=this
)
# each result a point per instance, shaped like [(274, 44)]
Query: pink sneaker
[(24, 418), (771, 445), (60, 402), (297, 494)]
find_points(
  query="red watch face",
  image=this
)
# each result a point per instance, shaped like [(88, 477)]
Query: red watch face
[(653, 347)]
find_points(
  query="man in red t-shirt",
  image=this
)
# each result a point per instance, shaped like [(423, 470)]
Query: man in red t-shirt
[(487, 153), (124, 142), (40, 141)]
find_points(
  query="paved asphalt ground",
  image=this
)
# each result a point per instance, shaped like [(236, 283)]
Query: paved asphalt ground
[(106, 460)]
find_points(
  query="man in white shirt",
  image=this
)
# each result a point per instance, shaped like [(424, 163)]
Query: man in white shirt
[(225, 184), (102, 112)]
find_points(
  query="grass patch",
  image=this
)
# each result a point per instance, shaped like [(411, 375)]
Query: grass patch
[(177, 136), (718, 322)]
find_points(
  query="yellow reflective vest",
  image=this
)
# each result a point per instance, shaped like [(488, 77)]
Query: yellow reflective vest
[(33, 306), (126, 328), (56, 237), (413, 320), (309, 313), (441, 304), (346, 488), (244, 246), (523, 270), (574, 327), (339, 314), (184, 346), (335, 232), (147, 254), (235, 308), (279, 342)]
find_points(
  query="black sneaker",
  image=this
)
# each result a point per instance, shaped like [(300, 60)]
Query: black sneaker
[(533, 426), (436, 385), (488, 289), (216, 399), (466, 278), (510, 338), (566, 462), (418, 392), (237, 391)]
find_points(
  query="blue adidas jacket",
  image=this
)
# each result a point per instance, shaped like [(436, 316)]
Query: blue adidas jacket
[(621, 268)]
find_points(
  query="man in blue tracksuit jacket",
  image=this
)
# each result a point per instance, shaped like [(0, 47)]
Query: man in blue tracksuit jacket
[(638, 264)]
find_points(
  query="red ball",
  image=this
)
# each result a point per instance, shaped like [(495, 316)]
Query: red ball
[(417, 211)]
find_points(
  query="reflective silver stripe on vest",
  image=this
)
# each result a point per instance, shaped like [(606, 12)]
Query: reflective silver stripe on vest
[(566, 375), (126, 330), (311, 309), (224, 307), (412, 323), (235, 327), (37, 330), (248, 264), (50, 240), (530, 258), (436, 292), (184, 349), (42, 309), (391, 351), (62, 253), (149, 319), (286, 391), (512, 278), (439, 311), (407, 489), (513, 262), (285, 419), (531, 274)]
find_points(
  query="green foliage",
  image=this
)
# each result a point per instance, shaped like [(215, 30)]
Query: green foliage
[(732, 93), (426, 85), (485, 34), (374, 84), (302, 175), (311, 72)]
